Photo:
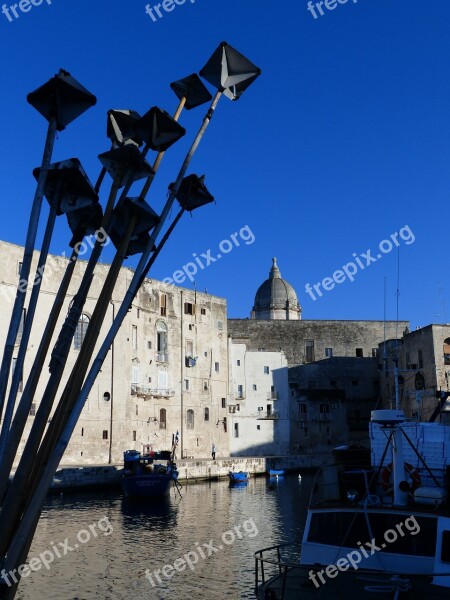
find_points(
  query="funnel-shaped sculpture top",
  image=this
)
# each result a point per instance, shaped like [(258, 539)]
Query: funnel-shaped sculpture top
[(193, 89), (158, 129), (126, 164), (193, 193), (121, 127), (227, 69), (62, 98)]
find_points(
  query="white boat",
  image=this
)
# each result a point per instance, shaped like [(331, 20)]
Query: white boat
[(378, 532)]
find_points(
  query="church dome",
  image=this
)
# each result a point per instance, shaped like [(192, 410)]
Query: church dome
[(276, 298)]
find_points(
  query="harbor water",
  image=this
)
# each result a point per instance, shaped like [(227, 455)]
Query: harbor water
[(200, 546)]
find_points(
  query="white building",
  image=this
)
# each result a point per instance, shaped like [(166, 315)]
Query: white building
[(259, 409)]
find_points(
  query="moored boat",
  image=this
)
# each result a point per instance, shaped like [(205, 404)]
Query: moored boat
[(239, 477), (148, 475)]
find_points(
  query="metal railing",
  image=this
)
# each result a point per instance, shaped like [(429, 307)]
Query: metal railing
[(283, 568), (143, 390)]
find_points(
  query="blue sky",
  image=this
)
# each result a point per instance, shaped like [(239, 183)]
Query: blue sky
[(343, 141)]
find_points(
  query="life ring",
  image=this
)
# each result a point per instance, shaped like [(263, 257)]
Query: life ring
[(410, 470)]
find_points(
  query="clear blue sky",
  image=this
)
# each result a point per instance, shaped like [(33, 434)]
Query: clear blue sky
[(342, 141)]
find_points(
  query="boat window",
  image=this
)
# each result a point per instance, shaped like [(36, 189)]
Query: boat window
[(350, 529), (445, 551)]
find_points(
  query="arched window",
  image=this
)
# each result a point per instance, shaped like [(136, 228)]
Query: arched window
[(447, 351), (206, 414), (161, 342), (80, 331), (162, 418), (190, 419)]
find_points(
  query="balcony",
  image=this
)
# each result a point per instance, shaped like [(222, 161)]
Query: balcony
[(268, 415), (162, 357), (190, 361), (272, 395), (325, 417), (147, 392)]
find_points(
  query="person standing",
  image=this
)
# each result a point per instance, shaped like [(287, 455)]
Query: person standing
[(213, 451)]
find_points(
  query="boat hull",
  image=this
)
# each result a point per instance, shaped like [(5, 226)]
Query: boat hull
[(147, 486)]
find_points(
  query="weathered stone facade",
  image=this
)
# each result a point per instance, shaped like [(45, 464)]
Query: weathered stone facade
[(167, 370)]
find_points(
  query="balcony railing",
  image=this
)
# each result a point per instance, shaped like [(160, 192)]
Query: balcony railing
[(143, 390), (268, 415), (272, 395), (162, 357)]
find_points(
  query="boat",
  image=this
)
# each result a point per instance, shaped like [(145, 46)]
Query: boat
[(377, 531), (148, 475), (239, 477), (276, 472)]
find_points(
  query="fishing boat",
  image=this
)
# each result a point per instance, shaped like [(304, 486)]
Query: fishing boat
[(238, 478), (148, 475), (381, 531)]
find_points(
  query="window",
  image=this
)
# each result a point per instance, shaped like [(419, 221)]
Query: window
[(163, 418), (224, 403), (149, 345), (80, 331), (240, 393), (186, 384), (266, 370), (138, 312), (225, 424), (254, 387), (134, 337), (189, 308), (190, 419), (236, 430), (220, 325), (189, 348), (359, 353), (420, 381), (376, 386), (420, 359), (238, 362), (206, 414), (135, 376), (137, 409), (82, 431), (258, 427), (309, 351), (374, 352), (33, 410), (21, 325), (19, 268), (216, 367), (161, 341), (328, 352), (203, 311), (105, 434), (134, 436), (163, 305), (408, 361), (324, 409)]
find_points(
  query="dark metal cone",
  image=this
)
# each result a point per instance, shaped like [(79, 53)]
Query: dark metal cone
[(159, 130), (137, 243), (228, 67), (126, 164), (84, 221), (120, 127), (146, 218), (67, 187), (193, 193), (63, 98), (193, 89), (234, 92)]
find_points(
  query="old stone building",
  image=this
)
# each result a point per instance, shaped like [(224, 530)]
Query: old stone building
[(424, 369), (166, 372)]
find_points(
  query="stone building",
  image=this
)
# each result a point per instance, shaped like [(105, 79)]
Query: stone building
[(333, 366), (166, 371), (259, 413), (424, 369)]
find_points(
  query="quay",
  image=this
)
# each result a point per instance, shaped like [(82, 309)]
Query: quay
[(94, 477)]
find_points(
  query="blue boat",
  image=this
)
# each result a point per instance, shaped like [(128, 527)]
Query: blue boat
[(276, 472), (238, 478), (148, 475)]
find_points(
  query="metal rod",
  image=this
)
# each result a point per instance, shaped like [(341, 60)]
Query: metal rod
[(20, 360), (26, 263)]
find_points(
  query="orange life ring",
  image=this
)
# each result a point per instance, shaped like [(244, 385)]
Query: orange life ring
[(411, 471)]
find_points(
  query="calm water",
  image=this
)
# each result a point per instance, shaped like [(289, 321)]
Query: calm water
[(111, 565)]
